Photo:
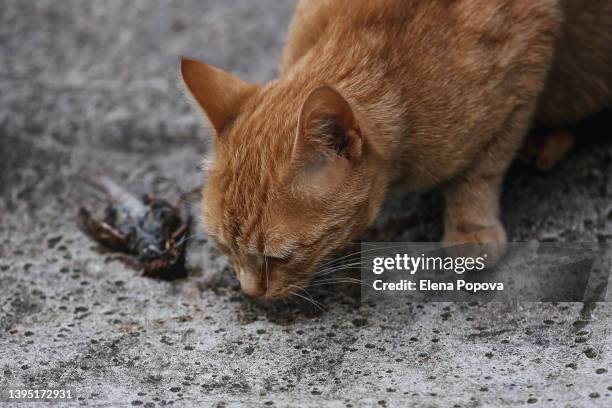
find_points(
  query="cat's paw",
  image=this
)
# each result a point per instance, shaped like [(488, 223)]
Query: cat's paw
[(489, 242), (545, 151)]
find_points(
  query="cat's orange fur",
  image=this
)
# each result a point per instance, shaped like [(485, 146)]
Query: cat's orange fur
[(419, 93)]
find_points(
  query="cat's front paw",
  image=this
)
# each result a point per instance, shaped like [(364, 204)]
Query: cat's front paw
[(474, 241)]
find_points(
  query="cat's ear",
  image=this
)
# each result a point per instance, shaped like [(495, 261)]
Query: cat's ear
[(219, 94), (327, 129)]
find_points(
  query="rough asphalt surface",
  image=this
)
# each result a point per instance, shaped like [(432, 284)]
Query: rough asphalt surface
[(90, 88)]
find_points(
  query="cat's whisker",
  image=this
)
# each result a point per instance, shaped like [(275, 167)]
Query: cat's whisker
[(319, 290), (347, 262), (356, 262), (336, 278), (330, 283), (332, 261), (308, 293), (360, 253), (339, 262), (339, 280), (190, 237), (345, 256), (337, 268), (309, 299), (333, 272), (329, 261)]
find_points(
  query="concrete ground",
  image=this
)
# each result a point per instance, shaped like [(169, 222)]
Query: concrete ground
[(89, 88)]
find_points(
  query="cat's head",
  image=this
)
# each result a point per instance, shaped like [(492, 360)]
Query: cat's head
[(291, 180)]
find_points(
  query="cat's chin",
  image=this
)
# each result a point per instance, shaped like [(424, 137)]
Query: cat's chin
[(290, 291), (281, 296)]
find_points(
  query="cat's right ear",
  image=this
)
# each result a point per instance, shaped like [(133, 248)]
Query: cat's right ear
[(327, 128), (328, 142), (219, 94)]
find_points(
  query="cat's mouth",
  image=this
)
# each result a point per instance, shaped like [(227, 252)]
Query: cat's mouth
[(275, 284), (293, 291), (273, 293), (271, 290)]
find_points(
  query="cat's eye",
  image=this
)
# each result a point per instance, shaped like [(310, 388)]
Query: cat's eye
[(278, 260)]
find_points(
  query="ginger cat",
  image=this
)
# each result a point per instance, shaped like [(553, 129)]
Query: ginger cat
[(418, 93)]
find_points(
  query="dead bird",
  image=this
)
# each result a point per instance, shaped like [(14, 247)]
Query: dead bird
[(150, 228)]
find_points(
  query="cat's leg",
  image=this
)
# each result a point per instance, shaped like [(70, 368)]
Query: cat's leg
[(472, 226), (472, 214)]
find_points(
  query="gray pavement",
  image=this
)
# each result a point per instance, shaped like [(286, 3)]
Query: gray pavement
[(89, 88)]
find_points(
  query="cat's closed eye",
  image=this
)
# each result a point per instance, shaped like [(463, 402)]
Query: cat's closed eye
[(278, 260)]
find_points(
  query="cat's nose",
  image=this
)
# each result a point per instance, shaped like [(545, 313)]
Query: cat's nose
[(251, 284), (254, 291)]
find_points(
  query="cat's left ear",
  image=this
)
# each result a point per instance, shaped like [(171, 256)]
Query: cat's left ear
[(327, 128), (219, 94)]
